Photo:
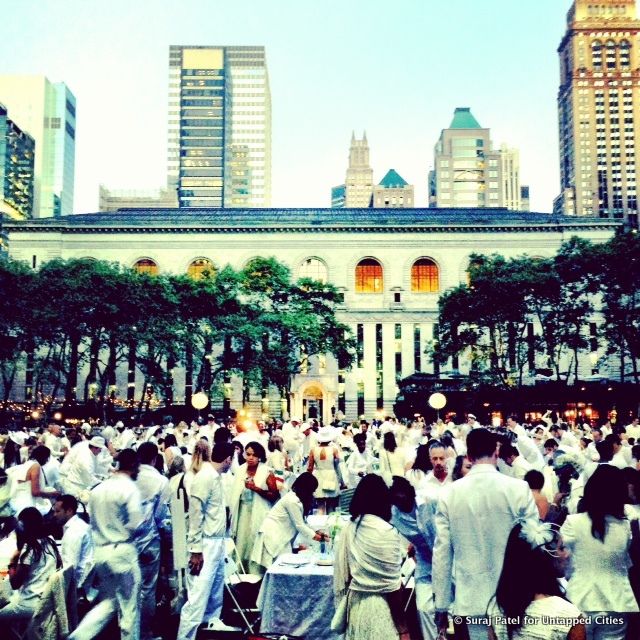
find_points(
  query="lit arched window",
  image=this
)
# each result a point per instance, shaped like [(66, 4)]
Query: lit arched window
[(369, 276), (201, 268), (596, 54), (315, 269), (625, 54), (146, 265), (424, 276)]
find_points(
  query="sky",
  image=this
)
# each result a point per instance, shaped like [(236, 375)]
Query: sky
[(395, 69)]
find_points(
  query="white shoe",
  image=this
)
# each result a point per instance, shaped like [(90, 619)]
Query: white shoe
[(215, 624)]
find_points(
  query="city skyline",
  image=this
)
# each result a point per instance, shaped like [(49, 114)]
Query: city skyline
[(333, 69)]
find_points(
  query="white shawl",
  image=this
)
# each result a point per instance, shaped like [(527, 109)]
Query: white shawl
[(368, 557), (260, 506)]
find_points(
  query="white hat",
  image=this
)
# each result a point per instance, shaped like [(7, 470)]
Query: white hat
[(119, 424), (97, 442), (294, 419), (18, 437), (470, 415), (326, 434)]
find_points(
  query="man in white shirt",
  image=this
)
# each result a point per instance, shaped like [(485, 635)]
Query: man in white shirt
[(155, 513), (78, 469), (206, 544), (52, 439), (77, 545), (116, 513), (431, 488), (360, 462), (518, 466), (526, 445), (473, 522), (633, 429)]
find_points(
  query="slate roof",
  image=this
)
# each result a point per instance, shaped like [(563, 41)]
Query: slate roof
[(304, 220)]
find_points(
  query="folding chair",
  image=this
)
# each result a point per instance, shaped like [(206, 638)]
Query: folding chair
[(407, 572), (242, 589)]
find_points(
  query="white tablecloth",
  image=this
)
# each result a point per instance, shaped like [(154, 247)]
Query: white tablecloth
[(298, 601)]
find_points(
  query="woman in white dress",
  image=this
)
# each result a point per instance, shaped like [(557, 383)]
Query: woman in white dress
[(599, 541), (420, 468), (28, 483), (284, 522), (393, 461), (30, 568), (529, 590), (367, 566), (253, 493), (324, 461)]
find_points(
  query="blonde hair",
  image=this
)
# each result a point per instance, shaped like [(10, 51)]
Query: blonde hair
[(201, 454)]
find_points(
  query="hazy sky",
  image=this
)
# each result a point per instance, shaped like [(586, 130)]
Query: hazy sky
[(396, 69)]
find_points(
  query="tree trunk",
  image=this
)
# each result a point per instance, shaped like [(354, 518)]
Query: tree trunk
[(94, 353), (188, 375), (70, 389)]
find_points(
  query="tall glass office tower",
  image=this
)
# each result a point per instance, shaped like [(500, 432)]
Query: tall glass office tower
[(47, 112), (219, 126)]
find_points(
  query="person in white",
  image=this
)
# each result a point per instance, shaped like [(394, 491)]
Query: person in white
[(517, 466), (77, 544), (473, 521), (206, 545), (284, 522), (619, 458), (52, 440), (360, 462), (155, 513), (633, 429), (526, 445), (115, 509), (78, 469), (28, 486), (435, 481)]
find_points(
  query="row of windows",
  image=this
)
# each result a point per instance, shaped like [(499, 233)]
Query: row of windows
[(369, 275)]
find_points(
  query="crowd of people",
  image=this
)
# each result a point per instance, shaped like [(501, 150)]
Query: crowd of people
[(523, 531)]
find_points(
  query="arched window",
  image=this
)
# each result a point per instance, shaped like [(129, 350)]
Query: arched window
[(625, 54), (596, 54), (313, 268), (369, 276), (424, 276), (146, 265), (201, 268)]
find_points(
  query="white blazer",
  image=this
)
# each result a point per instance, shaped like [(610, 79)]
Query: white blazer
[(473, 522)]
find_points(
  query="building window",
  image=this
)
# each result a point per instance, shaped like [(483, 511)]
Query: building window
[(146, 265), (369, 276), (201, 268), (424, 276), (314, 269)]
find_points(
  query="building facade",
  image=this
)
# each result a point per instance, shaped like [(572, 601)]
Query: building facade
[(17, 150), (219, 127), (359, 180), (393, 192), (597, 108), (114, 199), (47, 112), (390, 270), (468, 172)]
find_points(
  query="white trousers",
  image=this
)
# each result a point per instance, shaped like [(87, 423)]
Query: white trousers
[(426, 610), (149, 569), (204, 591), (116, 566)]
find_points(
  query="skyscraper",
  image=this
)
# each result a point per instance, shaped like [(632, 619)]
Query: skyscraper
[(597, 124), (219, 126), (359, 182), (468, 172), (47, 112), (16, 169), (393, 192)]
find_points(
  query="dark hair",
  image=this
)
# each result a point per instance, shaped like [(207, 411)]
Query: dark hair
[(128, 460), (40, 454), (304, 486), (11, 454), (481, 443), (372, 496), (507, 450), (258, 450), (31, 536), (613, 438), (446, 439), (456, 474), (635, 452), (360, 438), (550, 442), (422, 461), (221, 451), (170, 440), (401, 487), (605, 450), (514, 594), (586, 441), (389, 442), (534, 479), (605, 494), (68, 502), (221, 434), (147, 452)]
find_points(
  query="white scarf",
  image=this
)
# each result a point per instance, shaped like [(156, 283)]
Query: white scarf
[(368, 557)]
